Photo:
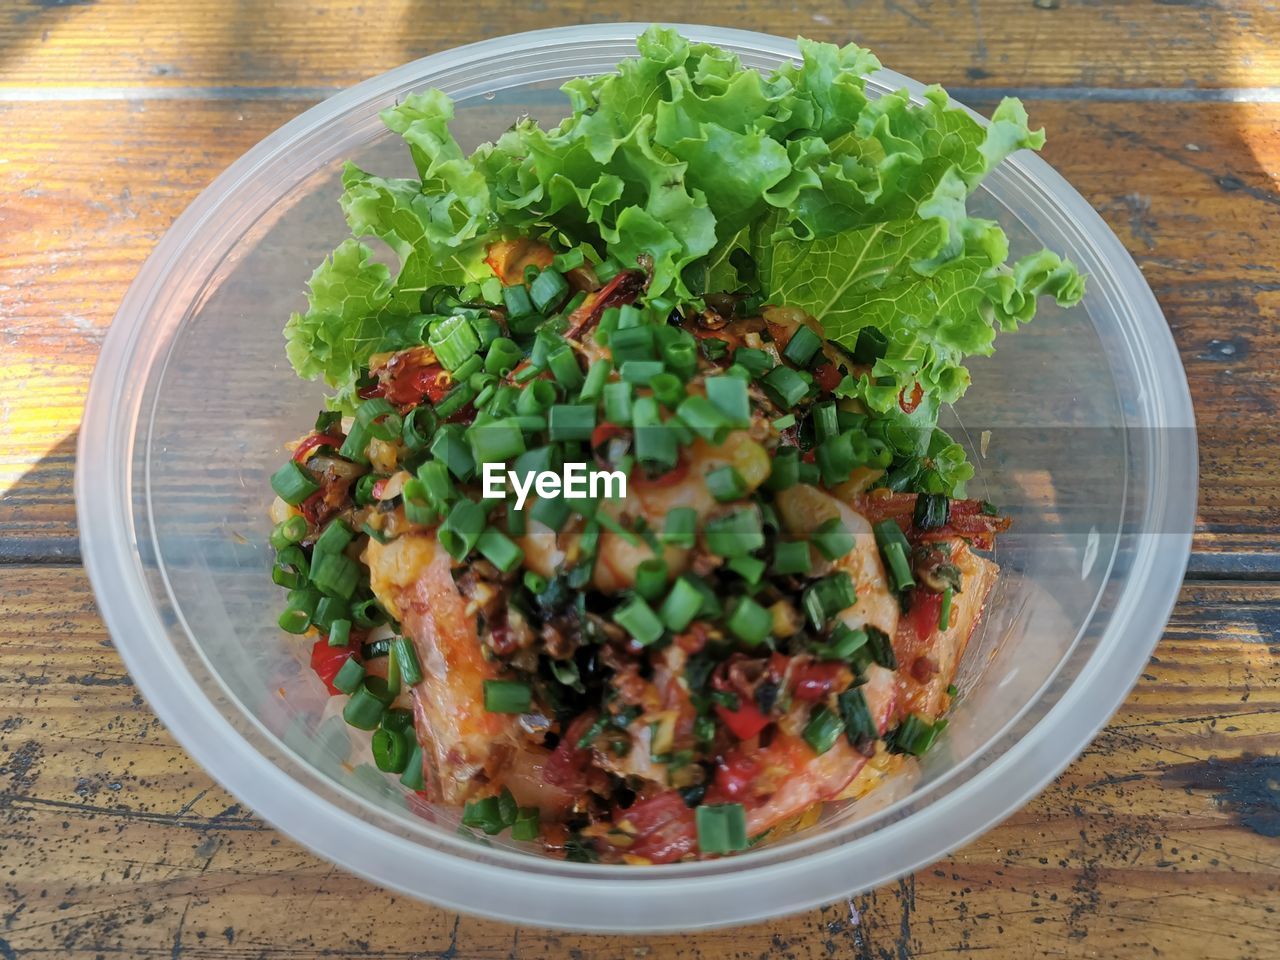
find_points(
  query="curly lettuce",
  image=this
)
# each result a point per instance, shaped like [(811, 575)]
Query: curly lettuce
[(794, 187)]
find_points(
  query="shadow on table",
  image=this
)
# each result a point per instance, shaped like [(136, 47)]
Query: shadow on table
[(38, 510)]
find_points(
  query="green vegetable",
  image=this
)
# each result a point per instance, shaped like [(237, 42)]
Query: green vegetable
[(850, 208)]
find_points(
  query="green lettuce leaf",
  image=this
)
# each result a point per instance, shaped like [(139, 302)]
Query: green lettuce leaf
[(795, 187)]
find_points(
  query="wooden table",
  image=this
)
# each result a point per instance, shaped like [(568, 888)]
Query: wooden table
[(1161, 840)]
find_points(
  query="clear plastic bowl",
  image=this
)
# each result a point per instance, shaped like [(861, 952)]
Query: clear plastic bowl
[(1091, 447)]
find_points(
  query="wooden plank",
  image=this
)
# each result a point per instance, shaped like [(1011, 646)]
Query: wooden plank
[(169, 44), (1188, 188), (1160, 839)]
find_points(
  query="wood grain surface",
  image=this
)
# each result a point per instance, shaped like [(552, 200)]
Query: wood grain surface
[(169, 46), (117, 844), (1162, 840)]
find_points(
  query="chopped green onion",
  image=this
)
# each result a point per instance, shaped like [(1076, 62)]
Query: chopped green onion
[(784, 386), (870, 345), (631, 345), (881, 647), (569, 260), (791, 557), (722, 827), (455, 400), (826, 421), (412, 776), (551, 512), (368, 613), (750, 569), (418, 426), (607, 269), (416, 509), (735, 534), (932, 510), (349, 676), (756, 362), (668, 388), (713, 348), (517, 301), (507, 696), (484, 814), (651, 578), (915, 735), (952, 690), (567, 421), (639, 620), (339, 633), (845, 642), (729, 396), (655, 442), (712, 608), (364, 487), (391, 750), (503, 355), (407, 658), (291, 568), (749, 622), (462, 528), (597, 377), (784, 422), (835, 458), (802, 347), (434, 477), (356, 443), (629, 316), (827, 597), (454, 341), (293, 484), (563, 363), (704, 418), (455, 453), (526, 826), (785, 469), (617, 403), (496, 441), (833, 540), (549, 290), (682, 605), (499, 549), (944, 611), (895, 549), (335, 574), (299, 608), (726, 484), (859, 725), (367, 704), (288, 532), (326, 419), (535, 583), (328, 610), (537, 397), (333, 539), (681, 527), (640, 372), (823, 730)]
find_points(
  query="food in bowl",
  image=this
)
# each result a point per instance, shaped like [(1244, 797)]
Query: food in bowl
[(629, 527)]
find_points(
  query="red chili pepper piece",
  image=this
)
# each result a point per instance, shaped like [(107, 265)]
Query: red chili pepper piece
[(326, 661), (665, 829), (745, 722), (314, 442), (909, 404), (813, 681)]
